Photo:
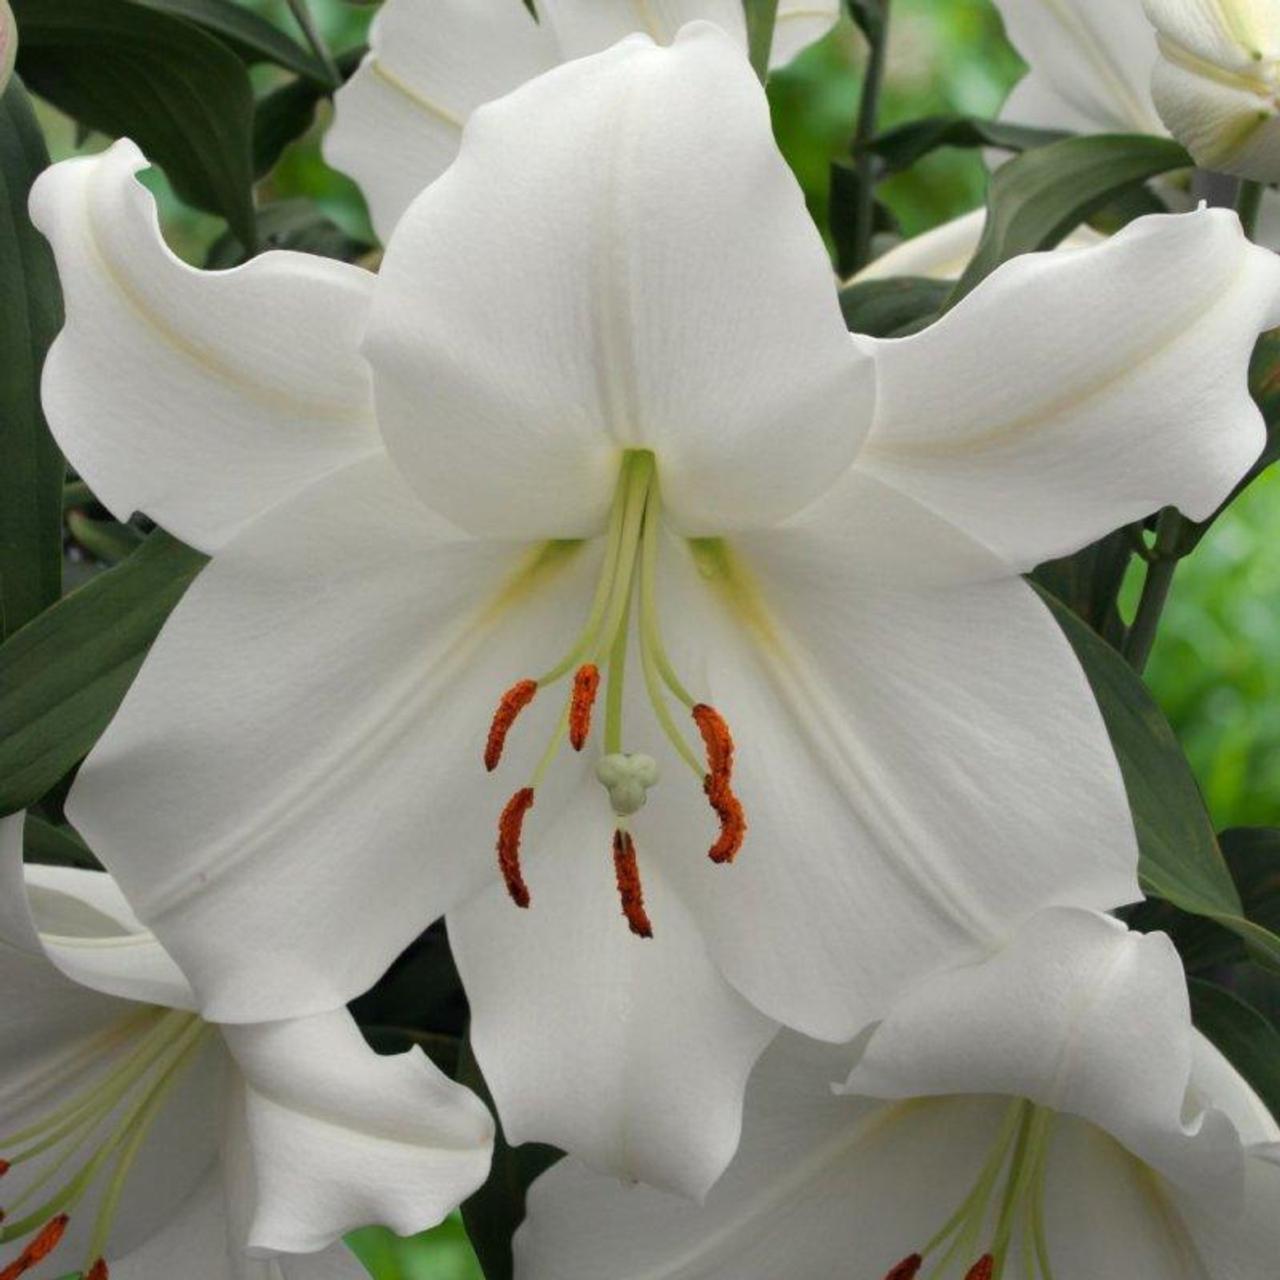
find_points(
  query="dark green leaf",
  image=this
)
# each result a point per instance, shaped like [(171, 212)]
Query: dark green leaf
[(30, 316), (1247, 1039), (291, 224), (443, 1051), (105, 540), (903, 146), (1253, 854), (55, 846), (1089, 582), (494, 1213), (1038, 198), (64, 674), (1180, 858), (422, 989), (178, 92), (843, 210), (869, 15), (762, 15), (250, 36), (892, 307), (282, 116)]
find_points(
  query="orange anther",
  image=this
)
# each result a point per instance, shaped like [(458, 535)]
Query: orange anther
[(586, 684), (5, 1166), (907, 1269), (512, 704), (510, 826), (733, 821), (630, 889), (716, 738), (983, 1269), (45, 1242), (98, 1271)]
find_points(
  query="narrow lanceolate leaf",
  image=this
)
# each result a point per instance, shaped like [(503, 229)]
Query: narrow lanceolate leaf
[(1038, 198), (762, 17), (1180, 858), (1246, 1038), (65, 673), (30, 316), (894, 307), (132, 71), (250, 36), (1090, 580), (901, 147), (42, 842)]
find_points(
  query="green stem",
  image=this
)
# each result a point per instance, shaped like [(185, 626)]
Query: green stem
[(302, 15), (1155, 590), (762, 16), (1248, 205), (864, 160)]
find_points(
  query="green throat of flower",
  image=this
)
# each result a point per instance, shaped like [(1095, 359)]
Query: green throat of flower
[(92, 1140), (628, 580), (1005, 1205)]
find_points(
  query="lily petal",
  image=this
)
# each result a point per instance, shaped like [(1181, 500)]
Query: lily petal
[(341, 1136), (922, 762), (322, 777), (398, 120), (521, 343), (1151, 410), (584, 27), (799, 24), (633, 1055), (199, 398), (1091, 1019), (1090, 65)]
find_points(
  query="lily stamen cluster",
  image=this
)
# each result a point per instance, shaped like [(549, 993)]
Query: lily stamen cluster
[(628, 576), (124, 1098)]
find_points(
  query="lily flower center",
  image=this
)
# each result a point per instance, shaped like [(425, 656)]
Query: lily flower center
[(628, 579), (118, 1083), (1005, 1204)]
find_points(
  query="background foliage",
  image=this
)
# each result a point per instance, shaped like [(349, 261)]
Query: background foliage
[(1215, 669)]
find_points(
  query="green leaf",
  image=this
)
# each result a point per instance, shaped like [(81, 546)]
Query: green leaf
[(494, 1213), (30, 317), (1180, 860), (1089, 582), (52, 846), (1247, 1039), (762, 16), (843, 214), (1038, 198), (250, 36), (178, 92), (105, 540), (291, 224), (64, 674), (890, 308), (901, 147)]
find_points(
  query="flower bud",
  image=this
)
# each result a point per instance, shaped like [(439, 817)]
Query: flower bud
[(1217, 81)]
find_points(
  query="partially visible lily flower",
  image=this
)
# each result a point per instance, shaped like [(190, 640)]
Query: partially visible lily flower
[(1048, 1113), (8, 43), (1217, 81), (432, 62), (572, 580), (140, 1142)]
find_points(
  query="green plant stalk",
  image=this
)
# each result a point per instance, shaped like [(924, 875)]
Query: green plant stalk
[(1248, 206), (864, 160), (1155, 590)]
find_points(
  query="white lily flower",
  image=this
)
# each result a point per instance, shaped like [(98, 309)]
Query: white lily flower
[(608, 429), (1217, 81), (431, 63), (1048, 1112), (138, 1138)]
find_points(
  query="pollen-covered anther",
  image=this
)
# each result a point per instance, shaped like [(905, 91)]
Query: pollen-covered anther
[(40, 1247), (983, 1269), (733, 819), (716, 739), (98, 1271), (630, 889), (907, 1269), (586, 684), (5, 1166), (510, 827), (512, 703)]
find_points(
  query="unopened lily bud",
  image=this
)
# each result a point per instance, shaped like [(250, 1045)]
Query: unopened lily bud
[(8, 44), (1217, 81)]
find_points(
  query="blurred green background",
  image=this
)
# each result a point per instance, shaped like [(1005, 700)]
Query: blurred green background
[(1216, 667)]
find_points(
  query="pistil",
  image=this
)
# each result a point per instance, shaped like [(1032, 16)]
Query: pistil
[(629, 572)]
